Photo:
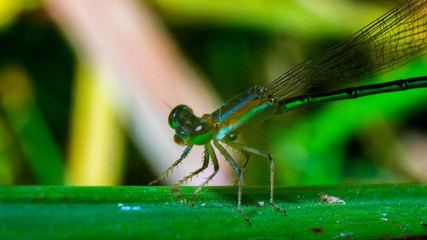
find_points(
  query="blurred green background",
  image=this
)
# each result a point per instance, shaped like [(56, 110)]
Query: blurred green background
[(51, 122)]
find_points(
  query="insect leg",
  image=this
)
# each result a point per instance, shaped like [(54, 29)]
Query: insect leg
[(165, 173), (239, 173), (204, 166), (211, 153), (264, 154)]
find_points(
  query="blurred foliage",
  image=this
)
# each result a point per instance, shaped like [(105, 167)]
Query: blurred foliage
[(35, 67), (351, 141), (11, 10)]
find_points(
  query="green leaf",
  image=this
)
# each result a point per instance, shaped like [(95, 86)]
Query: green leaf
[(370, 211)]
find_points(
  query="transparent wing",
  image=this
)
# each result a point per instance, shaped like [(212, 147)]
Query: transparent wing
[(394, 39)]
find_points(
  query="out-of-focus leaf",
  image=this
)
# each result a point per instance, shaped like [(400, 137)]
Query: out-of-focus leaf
[(29, 126)]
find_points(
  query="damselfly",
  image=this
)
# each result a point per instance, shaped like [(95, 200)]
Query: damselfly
[(394, 39)]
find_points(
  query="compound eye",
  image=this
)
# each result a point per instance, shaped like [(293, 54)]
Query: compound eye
[(202, 133), (174, 115), (178, 140), (232, 137)]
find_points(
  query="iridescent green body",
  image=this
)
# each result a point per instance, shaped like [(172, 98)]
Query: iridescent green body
[(245, 110)]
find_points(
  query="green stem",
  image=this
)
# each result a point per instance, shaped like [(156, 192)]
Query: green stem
[(370, 212)]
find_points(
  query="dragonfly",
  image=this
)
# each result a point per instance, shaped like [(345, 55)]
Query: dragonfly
[(394, 39)]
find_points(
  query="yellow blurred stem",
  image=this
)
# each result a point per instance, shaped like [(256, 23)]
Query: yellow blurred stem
[(96, 146)]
